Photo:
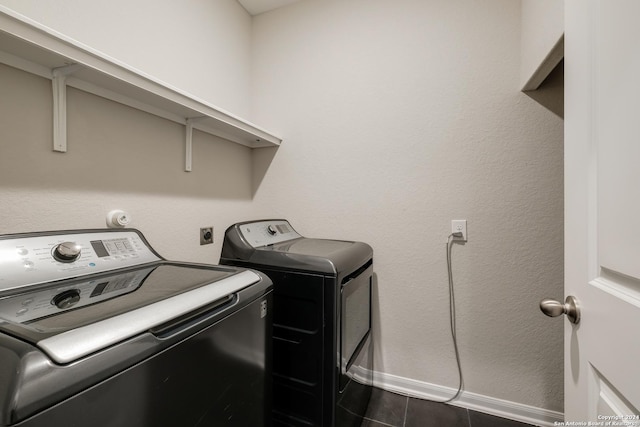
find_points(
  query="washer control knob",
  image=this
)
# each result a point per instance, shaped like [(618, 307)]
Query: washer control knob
[(271, 230), (66, 299), (67, 252)]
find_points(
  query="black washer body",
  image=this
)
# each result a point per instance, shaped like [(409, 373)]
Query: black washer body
[(170, 344), (322, 341)]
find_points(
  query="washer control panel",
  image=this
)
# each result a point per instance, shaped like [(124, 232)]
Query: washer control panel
[(264, 233), (26, 307), (30, 259)]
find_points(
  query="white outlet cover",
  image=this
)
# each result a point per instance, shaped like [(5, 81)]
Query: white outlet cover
[(459, 226)]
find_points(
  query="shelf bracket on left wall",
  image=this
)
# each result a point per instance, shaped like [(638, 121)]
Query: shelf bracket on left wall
[(188, 143), (59, 83)]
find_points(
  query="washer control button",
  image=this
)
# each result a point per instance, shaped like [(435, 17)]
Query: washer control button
[(272, 230), (66, 299), (67, 252)]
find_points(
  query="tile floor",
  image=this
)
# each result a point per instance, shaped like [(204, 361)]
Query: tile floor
[(389, 409)]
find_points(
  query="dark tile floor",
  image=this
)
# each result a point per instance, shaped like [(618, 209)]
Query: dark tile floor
[(390, 409)]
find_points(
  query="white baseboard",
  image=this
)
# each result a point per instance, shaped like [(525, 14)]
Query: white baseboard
[(477, 402)]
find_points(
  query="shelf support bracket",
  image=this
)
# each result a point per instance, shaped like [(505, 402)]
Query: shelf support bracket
[(188, 148), (188, 143), (59, 84)]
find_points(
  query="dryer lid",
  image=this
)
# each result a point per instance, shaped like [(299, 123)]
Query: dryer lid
[(274, 243), (312, 247)]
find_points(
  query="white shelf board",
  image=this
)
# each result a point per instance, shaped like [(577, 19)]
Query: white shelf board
[(27, 45)]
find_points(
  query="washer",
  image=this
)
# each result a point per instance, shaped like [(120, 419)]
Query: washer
[(98, 329), (322, 346)]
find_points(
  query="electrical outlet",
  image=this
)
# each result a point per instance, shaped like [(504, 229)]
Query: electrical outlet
[(206, 235), (459, 226)]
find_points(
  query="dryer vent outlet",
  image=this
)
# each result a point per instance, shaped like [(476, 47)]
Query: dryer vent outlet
[(206, 235)]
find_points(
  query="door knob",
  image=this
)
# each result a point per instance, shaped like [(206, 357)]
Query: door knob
[(553, 308)]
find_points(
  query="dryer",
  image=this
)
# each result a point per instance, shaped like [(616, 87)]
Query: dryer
[(322, 339)]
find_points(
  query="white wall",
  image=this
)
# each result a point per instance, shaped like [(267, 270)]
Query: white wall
[(542, 29), (122, 158), (400, 116), (118, 158), (201, 47)]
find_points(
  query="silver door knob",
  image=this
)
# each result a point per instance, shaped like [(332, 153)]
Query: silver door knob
[(553, 308)]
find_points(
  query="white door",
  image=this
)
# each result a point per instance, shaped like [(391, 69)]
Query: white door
[(602, 210)]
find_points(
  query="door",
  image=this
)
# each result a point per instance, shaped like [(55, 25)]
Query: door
[(602, 203)]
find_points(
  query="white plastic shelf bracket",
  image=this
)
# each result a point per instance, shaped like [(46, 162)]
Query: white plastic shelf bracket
[(188, 143), (59, 83)]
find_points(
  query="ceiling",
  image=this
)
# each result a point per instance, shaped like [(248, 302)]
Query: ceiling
[(256, 7)]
